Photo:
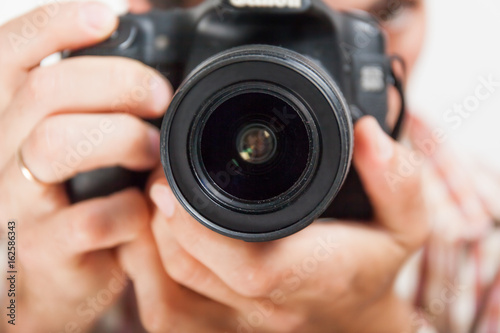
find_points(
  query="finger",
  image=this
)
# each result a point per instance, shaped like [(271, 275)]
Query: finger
[(189, 272), (164, 306), (141, 262), (258, 271), (21, 195), (64, 145), (139, 6), (453, 174), (85, 84), (392, 182), (394, 107), (487, 183), (420, 133), (238, 264), (27, 40), (95, 224), (263, 271), (463, 192)]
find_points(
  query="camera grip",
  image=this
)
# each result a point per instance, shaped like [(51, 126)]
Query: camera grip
[(103, 182)]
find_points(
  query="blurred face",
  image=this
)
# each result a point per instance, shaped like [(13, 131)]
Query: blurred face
[(403, 20)]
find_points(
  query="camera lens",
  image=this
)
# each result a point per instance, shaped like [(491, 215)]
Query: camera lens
[(256, 144)]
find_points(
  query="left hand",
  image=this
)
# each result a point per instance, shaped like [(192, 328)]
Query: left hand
[(330, 277)]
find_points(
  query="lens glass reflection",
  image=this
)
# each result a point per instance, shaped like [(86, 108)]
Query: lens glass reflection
[(254, 146)]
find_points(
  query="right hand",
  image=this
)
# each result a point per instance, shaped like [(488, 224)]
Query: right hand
[(77, 115), (330, 277)]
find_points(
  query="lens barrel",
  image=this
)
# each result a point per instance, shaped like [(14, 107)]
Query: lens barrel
[(257, 142)]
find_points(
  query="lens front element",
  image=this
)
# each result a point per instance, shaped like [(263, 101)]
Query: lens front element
[(256, 144), (252, 145)]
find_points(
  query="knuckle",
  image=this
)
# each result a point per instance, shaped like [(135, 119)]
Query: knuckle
[(89, 230), (136, 200), (254, 281), (46, 141), (340, 287), (131, 75), (40, 85), (44, 147), (135, 219), (34, 147), (138, 134), (181, 269), (135, 140)]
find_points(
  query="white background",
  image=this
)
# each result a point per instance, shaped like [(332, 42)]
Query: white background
[(463, 43)]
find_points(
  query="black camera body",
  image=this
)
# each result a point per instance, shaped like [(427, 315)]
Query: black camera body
[(257, 142)]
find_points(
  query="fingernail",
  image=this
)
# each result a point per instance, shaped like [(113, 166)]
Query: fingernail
[(163, 198), (154, 139), (385, 146), (161, 94), (98, 16)]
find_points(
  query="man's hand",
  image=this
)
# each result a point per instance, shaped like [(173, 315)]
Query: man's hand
[(330, 277), (77, 115)]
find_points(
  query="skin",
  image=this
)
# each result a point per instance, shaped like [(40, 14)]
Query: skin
[(186, 278), (66, 252), (197, 280), (348, 291)]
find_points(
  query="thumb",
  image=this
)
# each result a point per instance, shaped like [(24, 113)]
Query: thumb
[(139, 6), (393, 184), (160, 193)]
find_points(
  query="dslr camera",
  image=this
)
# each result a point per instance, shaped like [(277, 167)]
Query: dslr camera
[(257, 142)]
